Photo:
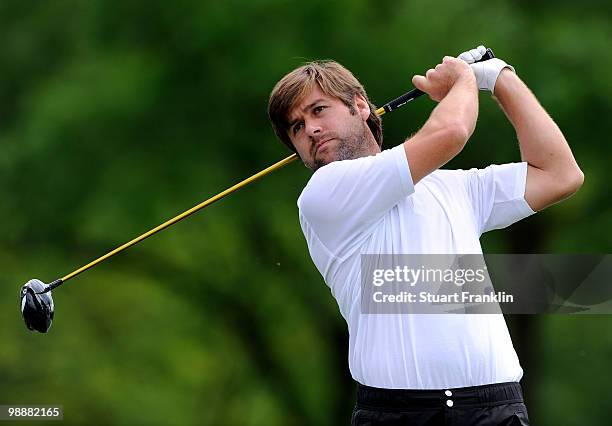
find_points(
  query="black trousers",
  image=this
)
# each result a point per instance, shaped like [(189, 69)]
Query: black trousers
[(496, 404)]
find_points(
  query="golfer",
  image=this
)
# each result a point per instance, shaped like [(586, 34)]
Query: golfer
[(419, 369)]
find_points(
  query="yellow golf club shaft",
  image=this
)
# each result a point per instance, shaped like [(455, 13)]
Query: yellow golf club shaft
[(183, 215)]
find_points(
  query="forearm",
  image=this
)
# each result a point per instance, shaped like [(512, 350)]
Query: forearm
[(458, 110), (541, 142), (446, 131)]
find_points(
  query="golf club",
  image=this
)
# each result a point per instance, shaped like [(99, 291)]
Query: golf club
[(37, 306)]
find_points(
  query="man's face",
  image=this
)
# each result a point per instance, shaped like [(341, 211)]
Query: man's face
[(323, 129)]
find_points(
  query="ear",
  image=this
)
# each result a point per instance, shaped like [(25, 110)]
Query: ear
[(363, 109)]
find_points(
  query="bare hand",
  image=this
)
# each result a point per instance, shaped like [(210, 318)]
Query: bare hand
[(439, 81)]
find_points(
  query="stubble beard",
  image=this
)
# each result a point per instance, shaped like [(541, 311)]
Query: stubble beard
[(349, 147)]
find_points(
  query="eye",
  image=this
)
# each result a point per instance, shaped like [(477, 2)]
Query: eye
[(297, 127), (318, 109)]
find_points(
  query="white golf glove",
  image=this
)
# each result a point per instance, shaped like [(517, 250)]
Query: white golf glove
[(486, 71)]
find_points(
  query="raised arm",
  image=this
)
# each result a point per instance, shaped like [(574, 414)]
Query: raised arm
[(553, 173), (451, 123)]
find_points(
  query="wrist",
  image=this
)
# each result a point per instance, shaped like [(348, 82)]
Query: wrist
[(506, 78), (468, 79)]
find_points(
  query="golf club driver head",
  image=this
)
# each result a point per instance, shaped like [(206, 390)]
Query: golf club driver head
[(36, 309)]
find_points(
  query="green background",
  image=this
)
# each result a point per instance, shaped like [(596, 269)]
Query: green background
[(115, 116)]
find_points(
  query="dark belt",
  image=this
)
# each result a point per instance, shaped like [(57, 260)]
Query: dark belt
[(473, 396)]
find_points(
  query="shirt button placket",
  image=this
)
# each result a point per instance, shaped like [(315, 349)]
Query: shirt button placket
[(449, 402)]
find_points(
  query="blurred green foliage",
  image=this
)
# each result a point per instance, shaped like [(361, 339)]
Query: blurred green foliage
[(117, 115)]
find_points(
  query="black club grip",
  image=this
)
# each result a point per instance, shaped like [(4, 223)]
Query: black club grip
[(415, 93)]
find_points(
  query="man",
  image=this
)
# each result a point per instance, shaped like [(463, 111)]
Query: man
[(418, 369)]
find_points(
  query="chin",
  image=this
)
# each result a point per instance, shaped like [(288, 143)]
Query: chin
[(319, 162), (326, 158)]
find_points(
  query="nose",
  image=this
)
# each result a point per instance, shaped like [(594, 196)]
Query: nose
[(313, 127)]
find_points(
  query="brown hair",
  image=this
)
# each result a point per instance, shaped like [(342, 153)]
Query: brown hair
[(333, 80)]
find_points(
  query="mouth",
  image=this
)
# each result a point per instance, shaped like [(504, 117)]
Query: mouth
[(322, 144)]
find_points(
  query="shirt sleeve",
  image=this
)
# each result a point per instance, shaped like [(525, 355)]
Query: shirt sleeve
[(497, 195), (345, 199)]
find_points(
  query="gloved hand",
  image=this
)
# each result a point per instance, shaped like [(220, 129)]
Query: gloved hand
[(486, 71)]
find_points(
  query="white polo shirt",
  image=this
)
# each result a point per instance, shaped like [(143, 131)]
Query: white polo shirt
[(370, 206)]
